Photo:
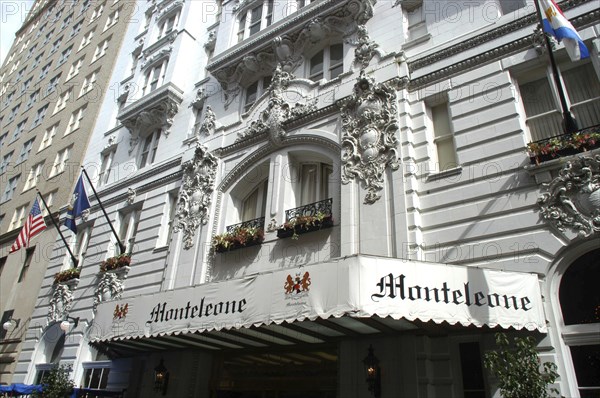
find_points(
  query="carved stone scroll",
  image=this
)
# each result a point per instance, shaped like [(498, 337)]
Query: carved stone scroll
[(369, 143), (194, 200)]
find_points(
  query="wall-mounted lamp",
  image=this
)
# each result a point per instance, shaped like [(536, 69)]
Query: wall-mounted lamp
[(66, 325), (10, 324), (373, 373), (161, 378)]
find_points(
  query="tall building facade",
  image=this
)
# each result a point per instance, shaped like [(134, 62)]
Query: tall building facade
[(53, 82), (305, 189)]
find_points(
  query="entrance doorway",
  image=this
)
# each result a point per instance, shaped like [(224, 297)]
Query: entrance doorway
[(290, 373)]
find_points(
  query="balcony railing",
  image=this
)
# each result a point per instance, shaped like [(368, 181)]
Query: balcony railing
[(245, 234), (308, 218), (564, 145)]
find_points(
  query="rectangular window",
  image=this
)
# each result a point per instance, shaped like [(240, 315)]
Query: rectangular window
[(128, 226), (64, 56), (5, 161), (105, 168), (101, 50), (75, 68), (19, 130), (87, 39), (62, 101), (18, 217), (26, 85), (314, 182), (13, 113), (49, 198), (48, 136), (76, 29), (9, 190), (33, 98), (255, 19), (33, 176), (112, 20), (443, 139), (169, 220), (96, 13), (148, 149), (75, 120), (60, 162), (80, 246), (542, 108), (45, 70), (167, 26), (37, 60), (88, 82), (52, 84), (154, 77), (28, 257), (55, 45), (39, 117), (95, 377), (25, 149)]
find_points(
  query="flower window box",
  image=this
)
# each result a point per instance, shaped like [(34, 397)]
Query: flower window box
[(122, 261), (67, 275), (246, 234), (564, 145), (304, 219)]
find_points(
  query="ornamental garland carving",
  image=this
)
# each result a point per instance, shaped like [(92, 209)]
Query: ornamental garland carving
[(365, 49), (369, 143), (288, 49), (572, 199), (278, 112), (196, 192), (209, 123), (61, 301), (110, 286)]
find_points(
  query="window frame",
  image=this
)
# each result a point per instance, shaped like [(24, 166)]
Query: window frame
[(248, 25), (328, 66), (148, 148)]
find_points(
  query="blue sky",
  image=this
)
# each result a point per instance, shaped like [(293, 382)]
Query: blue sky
[(12, 15)]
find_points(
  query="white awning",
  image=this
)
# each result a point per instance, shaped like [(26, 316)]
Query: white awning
[(356, 287)]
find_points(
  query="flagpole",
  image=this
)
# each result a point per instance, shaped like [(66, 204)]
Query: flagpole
[(569, 122), (121, 245), (75, 260)]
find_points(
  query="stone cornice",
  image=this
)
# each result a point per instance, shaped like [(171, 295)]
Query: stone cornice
[(265, 37), (487, 56), (491, 35), (168, 91)]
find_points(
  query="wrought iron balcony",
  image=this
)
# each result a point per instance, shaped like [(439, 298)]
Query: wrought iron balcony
[(564, 145), (257, 223), (307, 218)]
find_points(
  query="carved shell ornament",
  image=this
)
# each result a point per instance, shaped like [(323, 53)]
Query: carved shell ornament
[(369, 143), (572, 199), (195, 197)]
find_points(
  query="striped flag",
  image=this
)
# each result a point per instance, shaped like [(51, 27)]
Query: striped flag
[(33, 226), (556, 24)]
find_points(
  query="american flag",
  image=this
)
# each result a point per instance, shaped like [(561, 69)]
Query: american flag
[(33, 226)]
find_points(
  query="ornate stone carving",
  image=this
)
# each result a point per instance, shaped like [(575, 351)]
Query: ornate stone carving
[(131, 194), (110, 286), (369, 143), (365, 47), (194, 200), (61, 301), (209, 124), (158, 116), (572, 199), (201, 96), (209, 46), (278, 112), (287, 50)]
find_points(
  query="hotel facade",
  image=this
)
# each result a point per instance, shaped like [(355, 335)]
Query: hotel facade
[(305, 189)]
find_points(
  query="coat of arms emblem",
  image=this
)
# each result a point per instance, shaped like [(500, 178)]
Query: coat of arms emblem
[(121, 311), (297, 284)]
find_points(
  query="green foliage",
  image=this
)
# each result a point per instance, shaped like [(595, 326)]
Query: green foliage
[(56, 383), (518, 369)]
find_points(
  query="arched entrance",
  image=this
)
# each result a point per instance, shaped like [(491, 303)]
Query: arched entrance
[(579, 296)]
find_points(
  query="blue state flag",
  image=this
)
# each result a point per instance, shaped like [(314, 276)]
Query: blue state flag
[(79, 202)]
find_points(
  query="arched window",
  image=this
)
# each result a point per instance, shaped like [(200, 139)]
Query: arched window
[(579, 296)]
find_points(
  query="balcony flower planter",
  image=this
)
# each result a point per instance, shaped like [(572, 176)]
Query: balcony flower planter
[(67, 275), (304, 224), (566, 145), (115, 263), (238, 238)]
